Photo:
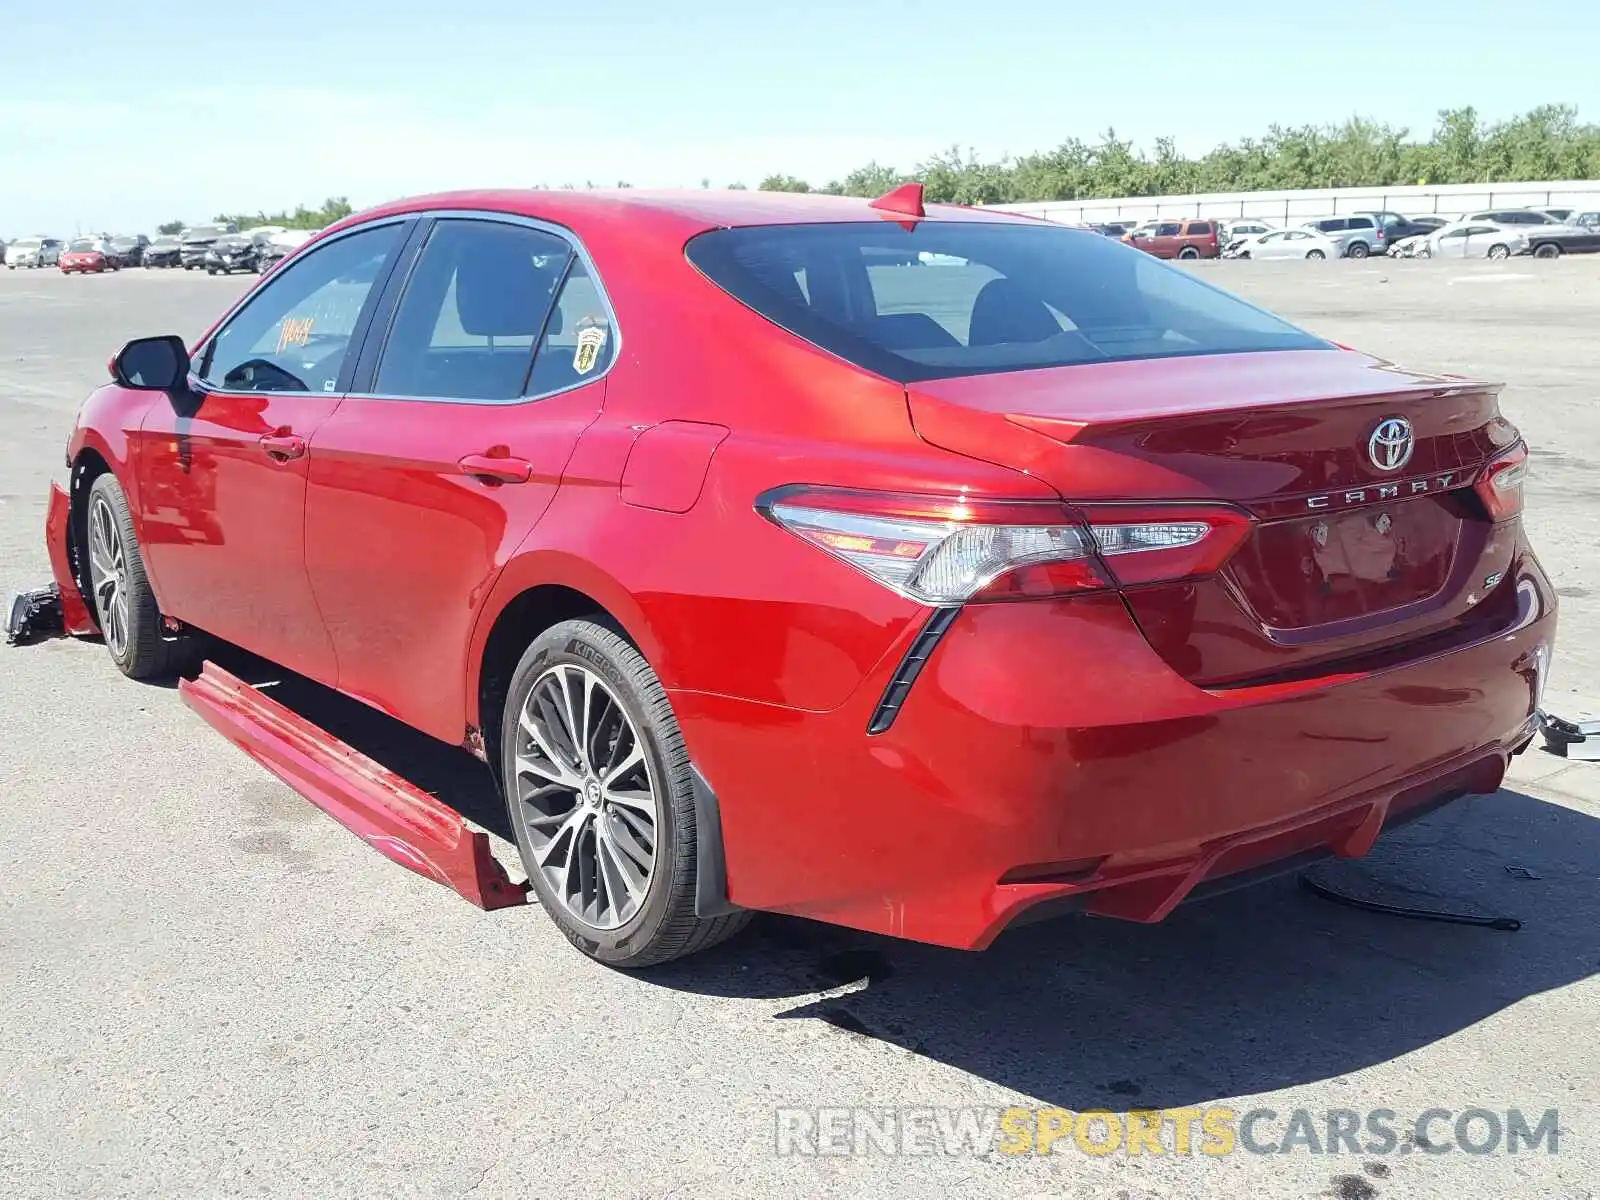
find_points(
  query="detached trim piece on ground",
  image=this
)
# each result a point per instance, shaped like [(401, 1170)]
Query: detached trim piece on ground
[(1579, 740)]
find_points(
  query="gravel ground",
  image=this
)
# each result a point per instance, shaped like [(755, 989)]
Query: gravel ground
[(207, 988)]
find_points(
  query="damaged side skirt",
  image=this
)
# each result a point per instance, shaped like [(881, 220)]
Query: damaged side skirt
[(394, 817)]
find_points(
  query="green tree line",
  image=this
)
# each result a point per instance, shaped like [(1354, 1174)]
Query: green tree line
[(333, 208), (1548, 142)]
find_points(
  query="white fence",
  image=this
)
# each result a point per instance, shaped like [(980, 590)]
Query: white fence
[(1286, 208)]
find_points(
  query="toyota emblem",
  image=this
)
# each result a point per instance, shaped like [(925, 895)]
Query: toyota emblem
[(1391, 444)]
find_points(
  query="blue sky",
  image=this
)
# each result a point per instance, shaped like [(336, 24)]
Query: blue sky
[(181, 109)]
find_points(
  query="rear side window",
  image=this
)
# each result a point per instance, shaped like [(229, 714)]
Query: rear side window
[(962, 298), (1361, 223), (1199, 228), (476, 301), (578, 341)]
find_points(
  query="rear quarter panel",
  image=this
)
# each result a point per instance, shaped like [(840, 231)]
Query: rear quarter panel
[(718, 598)]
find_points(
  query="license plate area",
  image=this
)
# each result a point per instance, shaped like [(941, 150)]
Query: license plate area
[(1329, 567)]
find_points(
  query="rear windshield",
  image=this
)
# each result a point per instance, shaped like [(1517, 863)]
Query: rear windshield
[(965, 298)]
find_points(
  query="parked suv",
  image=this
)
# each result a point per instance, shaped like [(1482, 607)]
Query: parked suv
[(1357, 235), (1395, 227), (1190, 238)]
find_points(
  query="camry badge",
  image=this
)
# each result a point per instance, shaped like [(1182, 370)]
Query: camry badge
[(1391, 444)]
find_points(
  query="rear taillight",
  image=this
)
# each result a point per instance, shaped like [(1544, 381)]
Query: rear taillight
[(1166, 543), (1500, 486), (950, 550)]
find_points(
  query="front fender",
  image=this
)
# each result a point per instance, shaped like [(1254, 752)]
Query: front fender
[(106, 425)]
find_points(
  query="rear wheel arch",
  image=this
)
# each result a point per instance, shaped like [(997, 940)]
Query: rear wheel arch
[(523, 617)]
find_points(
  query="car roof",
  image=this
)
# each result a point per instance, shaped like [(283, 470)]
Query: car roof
[(678, 213)]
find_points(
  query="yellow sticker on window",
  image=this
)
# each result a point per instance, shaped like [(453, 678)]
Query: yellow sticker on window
[(294, 332), (590, 342)]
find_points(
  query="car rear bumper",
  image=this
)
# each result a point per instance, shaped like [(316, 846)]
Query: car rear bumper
[(1047, 754)]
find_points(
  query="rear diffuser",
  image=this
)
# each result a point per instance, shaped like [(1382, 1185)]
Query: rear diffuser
[(394, 817)]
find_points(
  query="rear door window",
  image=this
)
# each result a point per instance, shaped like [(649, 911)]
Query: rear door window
[(1170, 229), (949, 298), (1199, 228), (476, 302)]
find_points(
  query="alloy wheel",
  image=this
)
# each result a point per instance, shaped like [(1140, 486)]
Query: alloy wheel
[(108, 575), (586, 796)]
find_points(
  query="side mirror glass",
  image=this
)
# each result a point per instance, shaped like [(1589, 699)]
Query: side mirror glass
[(152, 364)]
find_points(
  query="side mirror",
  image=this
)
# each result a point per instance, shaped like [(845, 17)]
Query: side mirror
[(152, 364)]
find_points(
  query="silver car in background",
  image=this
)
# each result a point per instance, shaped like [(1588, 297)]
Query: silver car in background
[(34, 252), (1285, 243), (1477, 239)]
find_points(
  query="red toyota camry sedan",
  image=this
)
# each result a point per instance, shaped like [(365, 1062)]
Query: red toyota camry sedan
[(903, 567)]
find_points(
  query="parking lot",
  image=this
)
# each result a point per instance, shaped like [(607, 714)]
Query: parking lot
[(208, 988)]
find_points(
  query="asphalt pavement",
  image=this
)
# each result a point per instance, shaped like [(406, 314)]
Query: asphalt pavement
[(207, 988)]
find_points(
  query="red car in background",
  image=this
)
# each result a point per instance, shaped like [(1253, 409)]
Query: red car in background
[(901, 567), (84, 255)]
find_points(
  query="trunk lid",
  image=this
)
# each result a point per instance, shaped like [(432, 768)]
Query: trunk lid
[(1345, 558)]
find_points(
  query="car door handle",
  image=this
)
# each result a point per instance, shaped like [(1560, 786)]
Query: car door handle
[(283, 446), (499, 469)]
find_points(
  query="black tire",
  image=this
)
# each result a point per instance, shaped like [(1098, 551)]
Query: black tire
[(1547, 250), (664, 926), (1499, 251), (1188, 252), (1316, 256), (1357, 250), (145, 652), (211, 270)]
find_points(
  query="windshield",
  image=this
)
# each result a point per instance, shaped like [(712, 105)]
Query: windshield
[(204, 231), (27, 243), (962, 298), (82, 245)]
